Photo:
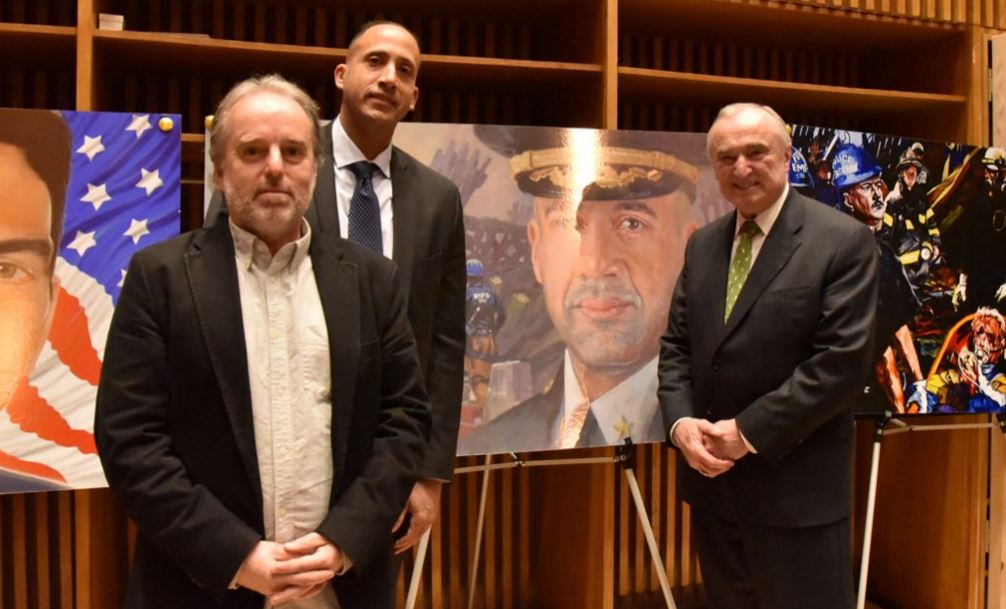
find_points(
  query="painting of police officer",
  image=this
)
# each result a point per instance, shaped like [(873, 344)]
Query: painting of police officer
[(574, 240), (938, 212)]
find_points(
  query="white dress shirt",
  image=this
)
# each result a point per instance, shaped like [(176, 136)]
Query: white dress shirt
[(345, 153), (624, 411), (290, 379), (765, 221)]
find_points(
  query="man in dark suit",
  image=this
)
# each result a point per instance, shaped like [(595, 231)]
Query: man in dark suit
[(409, 213), (768, 340), (611, 216), (261, 410)]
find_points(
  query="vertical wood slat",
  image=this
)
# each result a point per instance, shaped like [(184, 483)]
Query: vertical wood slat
[(671, 557), (218, 17), (657, 495), (259, 21), (5, 551), (40, 527), (456, 558), (85, 57), (490, 541), (640, 559), (64, 508), (507, 550), (624, 546), (18, 555)]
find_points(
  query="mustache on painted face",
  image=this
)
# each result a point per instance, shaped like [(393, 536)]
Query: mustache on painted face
[(601, 299)]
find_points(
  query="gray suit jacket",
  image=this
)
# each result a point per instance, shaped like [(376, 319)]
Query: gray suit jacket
[(786, 364)]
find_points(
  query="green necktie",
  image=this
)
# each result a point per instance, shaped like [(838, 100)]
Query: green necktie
[(740, 265)]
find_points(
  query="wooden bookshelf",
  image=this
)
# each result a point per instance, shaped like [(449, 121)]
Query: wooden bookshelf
[(914, 67)]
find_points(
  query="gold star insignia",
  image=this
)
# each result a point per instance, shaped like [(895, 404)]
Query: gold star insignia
[(623, 428)]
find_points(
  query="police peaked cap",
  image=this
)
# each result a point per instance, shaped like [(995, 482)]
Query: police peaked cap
[(624, 164)]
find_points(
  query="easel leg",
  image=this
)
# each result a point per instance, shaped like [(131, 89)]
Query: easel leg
[(644, 520), (871, 504), (417, 569), (474, 571)]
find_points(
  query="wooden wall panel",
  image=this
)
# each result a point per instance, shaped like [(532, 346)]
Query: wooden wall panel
[(36, 551), (931, 518)]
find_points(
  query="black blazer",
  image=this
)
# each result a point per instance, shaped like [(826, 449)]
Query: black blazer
[(786, 364), (174, 422), (429, 249)]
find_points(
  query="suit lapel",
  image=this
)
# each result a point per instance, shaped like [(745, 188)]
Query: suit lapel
[(340, 300), (405, 213), (776, 251), (213, 281), (323, 214), (719, 266)]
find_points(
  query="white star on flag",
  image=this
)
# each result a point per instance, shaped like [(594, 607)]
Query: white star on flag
[(150, 181), (137, 228), (91, 147), (139, 124), (96, 195), (83, 242), (122, 279)]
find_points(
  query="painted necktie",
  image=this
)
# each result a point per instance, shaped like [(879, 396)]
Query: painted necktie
[(569, 431)]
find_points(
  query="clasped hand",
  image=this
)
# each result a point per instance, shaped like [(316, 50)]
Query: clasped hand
[(709, 448), (294, 570)]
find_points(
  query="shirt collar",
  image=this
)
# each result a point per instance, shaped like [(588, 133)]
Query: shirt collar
[(251, 252), (346, 152), (626, 410), (766, 219)]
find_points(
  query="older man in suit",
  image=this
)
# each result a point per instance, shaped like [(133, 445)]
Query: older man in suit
[(767, 343), (375, 194), (261, 410)]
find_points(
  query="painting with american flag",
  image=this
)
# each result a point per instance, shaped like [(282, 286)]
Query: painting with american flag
[(122, 194)]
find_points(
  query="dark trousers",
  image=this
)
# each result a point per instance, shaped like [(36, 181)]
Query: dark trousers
[(754, 567)]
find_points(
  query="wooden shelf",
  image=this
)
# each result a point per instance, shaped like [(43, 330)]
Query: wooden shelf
[(155, 71), (38, 65), (143, 47), (19, 40), (811, 28), (37, 32), (686, 88), (518, 29)]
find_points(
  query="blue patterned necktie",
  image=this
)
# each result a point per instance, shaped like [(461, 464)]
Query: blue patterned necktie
[(364, 209)]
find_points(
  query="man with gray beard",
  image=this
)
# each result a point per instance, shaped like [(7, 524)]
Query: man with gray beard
[(261, 412), (611, 217)]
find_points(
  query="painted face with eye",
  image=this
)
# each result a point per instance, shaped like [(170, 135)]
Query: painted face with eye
[(607, 271), (868, 201), (268, 167), (27, 286)]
